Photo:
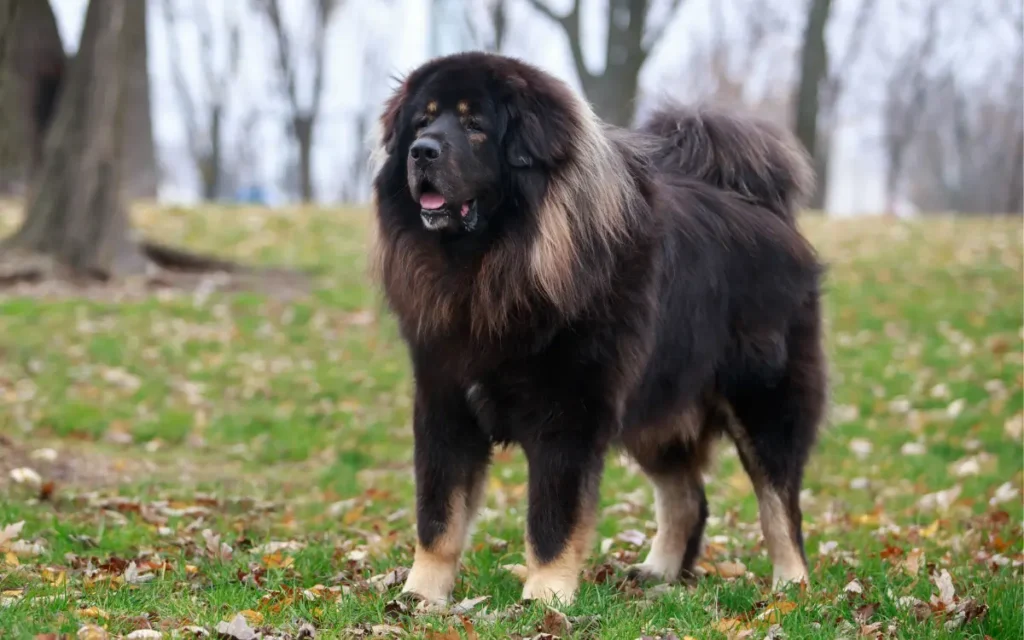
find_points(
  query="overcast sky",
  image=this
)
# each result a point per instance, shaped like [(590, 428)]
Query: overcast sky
[(400, 28)]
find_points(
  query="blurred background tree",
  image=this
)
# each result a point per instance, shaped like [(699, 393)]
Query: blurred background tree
[(907, 106)]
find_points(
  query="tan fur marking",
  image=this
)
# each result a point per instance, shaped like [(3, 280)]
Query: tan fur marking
[(787, 563), (478, 138), (432, 107), (646, 442), (558, 580), (593, 198), (463, 107), (677, 511), (434, 570)]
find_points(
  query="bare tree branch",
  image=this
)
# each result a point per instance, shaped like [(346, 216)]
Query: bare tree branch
[(655, 35), (181, 90), (570, 24), (272, 10)]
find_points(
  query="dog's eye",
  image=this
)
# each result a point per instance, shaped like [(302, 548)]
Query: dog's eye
[(421, 122), (474, 125)]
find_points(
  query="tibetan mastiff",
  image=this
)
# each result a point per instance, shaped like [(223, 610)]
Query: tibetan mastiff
[(570, 286)]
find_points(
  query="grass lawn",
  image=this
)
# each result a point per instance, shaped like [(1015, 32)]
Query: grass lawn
[(170, 461)]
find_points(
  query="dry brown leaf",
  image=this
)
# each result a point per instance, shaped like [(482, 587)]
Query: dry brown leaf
[(911, 565), (93, 612), (278, 561), (774, 613), (253, 617), (450, 634), (93, 632), (556, 623), (467, 605), (467, 626), (729, 569)]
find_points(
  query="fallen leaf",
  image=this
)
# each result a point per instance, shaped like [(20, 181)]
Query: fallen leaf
[(450, 634), (217, 549), (633, 537), (11, 532), (145, 634), (274, 547), (864, 613), (1004, 493), (774, 613), (390, 579), (237, 629), (944, 583), (860, 447), (467, 605), (132, 575), (729, 569), (556, 623), (92, 632), (252, 617), (278, 561), (912, 564), (853, 587), (26, 475), (467, 626), (93, 612)]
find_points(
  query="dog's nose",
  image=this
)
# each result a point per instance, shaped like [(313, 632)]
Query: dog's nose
[(425, 150)]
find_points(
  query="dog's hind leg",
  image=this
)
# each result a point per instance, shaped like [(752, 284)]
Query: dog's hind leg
[(451, 458), (774, 430), (672, 456)]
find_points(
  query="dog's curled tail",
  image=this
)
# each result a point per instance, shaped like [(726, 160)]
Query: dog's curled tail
[(744, 154)]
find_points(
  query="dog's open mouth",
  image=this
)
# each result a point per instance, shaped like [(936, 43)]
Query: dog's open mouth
[(437, 213)]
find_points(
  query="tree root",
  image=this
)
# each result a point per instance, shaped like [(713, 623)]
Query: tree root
[(167, 267)]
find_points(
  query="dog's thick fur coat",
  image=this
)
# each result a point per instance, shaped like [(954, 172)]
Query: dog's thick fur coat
[(641, 288)]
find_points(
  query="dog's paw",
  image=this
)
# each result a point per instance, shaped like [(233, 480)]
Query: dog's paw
[(650, 573), (552, 591), (431, 588)]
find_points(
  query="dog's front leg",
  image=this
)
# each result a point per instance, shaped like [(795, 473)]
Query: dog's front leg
[(565, 476), (451, 459)]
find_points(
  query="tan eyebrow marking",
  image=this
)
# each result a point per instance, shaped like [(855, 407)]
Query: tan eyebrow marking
[(432, 107), (463, 107)]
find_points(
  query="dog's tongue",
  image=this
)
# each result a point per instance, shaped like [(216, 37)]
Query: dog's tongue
[(465, 209), (431, 201)]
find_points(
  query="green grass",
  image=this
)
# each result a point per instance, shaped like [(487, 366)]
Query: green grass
[(265, 419)]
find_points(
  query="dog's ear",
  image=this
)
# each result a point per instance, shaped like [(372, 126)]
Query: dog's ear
[(390, 117), (539, 130)]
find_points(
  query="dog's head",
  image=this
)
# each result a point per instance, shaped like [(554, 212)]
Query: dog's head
[(472, 138)]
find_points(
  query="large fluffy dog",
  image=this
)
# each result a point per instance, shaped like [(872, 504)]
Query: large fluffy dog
[(570, 286)]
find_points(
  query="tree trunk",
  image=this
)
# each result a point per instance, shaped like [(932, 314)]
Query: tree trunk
[(813, 70), (139, 152), (304, 137), (210, 164), (74, 211), (32, 65)]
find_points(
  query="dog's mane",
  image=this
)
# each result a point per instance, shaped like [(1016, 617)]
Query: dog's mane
[(561, 262)]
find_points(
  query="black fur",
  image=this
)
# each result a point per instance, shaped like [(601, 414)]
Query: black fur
[(705, 304)]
